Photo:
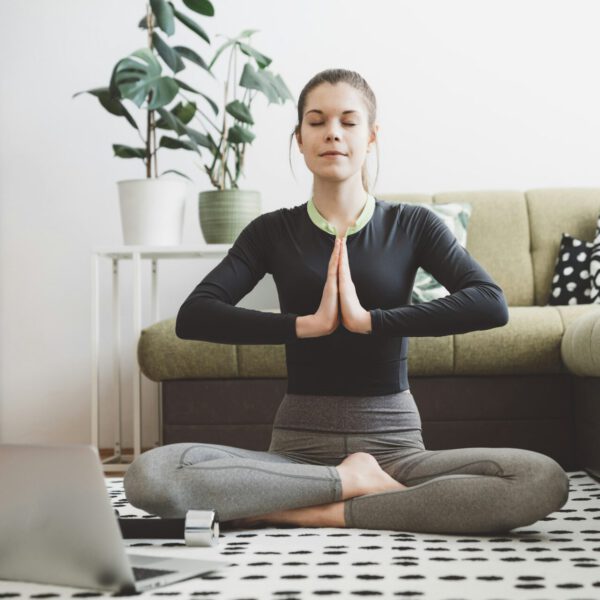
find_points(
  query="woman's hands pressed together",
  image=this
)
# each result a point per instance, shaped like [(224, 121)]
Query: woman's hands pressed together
[(354, 317), (339, 297)]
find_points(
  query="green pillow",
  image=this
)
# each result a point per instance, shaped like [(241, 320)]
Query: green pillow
[(456, 216)]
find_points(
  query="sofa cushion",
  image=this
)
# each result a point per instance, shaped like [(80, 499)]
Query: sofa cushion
[(552, 211), (581, 345), (529, 343), (162, 355)]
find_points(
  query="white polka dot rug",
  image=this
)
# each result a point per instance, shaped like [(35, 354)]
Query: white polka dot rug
[(556, 558)]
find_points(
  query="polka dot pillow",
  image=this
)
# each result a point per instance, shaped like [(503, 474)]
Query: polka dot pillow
[(577, 271), (595, 268)]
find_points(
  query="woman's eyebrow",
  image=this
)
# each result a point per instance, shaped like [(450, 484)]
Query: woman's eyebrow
[(321, 112)]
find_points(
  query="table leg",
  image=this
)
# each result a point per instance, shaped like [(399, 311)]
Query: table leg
[(137, 330), (95, 418), (116, 353), (155, 319)]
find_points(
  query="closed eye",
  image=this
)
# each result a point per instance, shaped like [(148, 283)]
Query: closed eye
[(349, 124)]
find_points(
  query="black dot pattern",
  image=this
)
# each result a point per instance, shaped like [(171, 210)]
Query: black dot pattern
[(595, 268), (556, 557), (571, 283)]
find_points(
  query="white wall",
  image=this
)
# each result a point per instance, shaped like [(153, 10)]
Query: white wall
[(472, 95)]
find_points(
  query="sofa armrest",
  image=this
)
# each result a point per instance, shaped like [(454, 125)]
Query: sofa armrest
[(580, 345)]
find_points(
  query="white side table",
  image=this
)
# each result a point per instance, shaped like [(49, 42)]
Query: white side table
[(119, 461)]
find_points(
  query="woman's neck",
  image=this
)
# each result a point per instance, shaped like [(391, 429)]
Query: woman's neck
[(339, 203)]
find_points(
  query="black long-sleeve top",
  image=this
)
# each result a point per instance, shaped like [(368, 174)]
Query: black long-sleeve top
[(383, 254)]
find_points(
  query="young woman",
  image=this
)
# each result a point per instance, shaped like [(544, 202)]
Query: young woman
[(346, 447)]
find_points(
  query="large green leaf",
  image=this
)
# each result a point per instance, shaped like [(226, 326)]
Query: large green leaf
[(163, 12), (184, 112), (203, 7), (170, 56), (136, 79), (128, 152), (112, 105), (282, 89), (175, 144), (239, 135), (240, 111), (273, 84), (262, 60), (192, 56), (190, 23), (171, 121), (198, 138), (256, 80)]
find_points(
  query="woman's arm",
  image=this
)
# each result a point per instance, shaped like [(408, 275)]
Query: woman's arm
[(475, 301), (209, 313)]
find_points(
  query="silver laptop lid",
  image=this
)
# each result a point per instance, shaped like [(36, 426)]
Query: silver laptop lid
[(57, 524)]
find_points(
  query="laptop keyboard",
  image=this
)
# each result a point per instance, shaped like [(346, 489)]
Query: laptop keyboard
[(140, 573)]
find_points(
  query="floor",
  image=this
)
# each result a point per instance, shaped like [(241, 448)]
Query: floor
[(556, 558)]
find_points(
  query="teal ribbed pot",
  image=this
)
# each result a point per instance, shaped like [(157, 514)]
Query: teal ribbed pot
[(224, 213)]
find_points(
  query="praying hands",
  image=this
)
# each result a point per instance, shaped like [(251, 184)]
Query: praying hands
[(354, 317), (339, 299)]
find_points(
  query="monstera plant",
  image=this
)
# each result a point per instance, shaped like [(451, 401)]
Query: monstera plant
[(152, 208)]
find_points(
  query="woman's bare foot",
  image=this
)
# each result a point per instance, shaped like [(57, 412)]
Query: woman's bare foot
[(360, 474), (322, 515)]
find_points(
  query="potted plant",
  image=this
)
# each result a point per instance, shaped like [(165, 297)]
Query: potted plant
[(152, 208), (224, 211)]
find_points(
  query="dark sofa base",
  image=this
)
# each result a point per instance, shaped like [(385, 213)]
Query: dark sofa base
[(558, 415)]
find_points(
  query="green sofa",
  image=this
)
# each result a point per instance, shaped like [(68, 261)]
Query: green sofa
[(533, 383)]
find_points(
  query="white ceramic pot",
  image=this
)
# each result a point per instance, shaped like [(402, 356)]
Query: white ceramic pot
[(152, 211)]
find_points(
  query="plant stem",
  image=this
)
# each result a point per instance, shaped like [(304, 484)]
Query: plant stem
[(225, 151), (243, 149), (148, 150), (209, 170), (150, 133), (154, 148)]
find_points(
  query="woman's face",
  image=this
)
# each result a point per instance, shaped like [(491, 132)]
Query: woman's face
[(335, 120)]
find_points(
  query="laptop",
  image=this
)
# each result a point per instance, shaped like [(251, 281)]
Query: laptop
[(57, 525)]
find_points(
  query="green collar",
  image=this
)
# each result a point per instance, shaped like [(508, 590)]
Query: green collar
[(317, 218)]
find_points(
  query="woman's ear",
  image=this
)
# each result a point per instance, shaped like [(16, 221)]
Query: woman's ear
[(299, 140), (373, 134)]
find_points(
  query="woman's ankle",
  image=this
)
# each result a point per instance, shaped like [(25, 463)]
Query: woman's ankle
[(352, 483)]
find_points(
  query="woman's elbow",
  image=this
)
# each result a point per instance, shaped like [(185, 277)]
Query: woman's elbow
[(182, 329), (501, 315)]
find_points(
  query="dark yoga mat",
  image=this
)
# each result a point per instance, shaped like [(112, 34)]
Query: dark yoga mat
[(134, 528)]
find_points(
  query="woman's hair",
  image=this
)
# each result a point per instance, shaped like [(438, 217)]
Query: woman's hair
[(334, 76)]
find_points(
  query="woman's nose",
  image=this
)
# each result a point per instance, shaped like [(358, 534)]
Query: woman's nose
[(332, 132)]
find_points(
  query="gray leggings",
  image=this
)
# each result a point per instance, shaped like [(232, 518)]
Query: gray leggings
[(464, 490)]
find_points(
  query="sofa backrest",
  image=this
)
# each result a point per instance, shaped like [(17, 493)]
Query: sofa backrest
[(515, 235)]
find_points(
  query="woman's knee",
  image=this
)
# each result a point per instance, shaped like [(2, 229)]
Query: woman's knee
[(543, 486), (148, 480), (551, 482)]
